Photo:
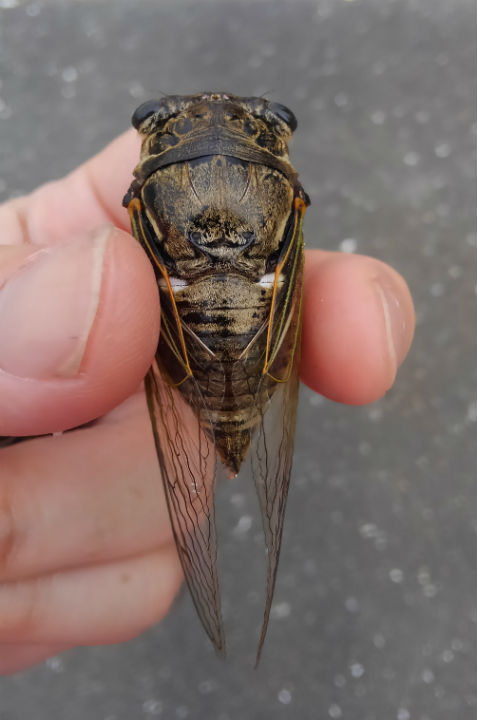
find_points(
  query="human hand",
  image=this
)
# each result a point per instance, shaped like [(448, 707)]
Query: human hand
[(86, 550)]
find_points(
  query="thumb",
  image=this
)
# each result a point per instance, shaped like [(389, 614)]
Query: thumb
[(79, 324)]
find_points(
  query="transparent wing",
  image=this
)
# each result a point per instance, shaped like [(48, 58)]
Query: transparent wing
[(187, 459), (273, 441), (185, 447), (272, 454)]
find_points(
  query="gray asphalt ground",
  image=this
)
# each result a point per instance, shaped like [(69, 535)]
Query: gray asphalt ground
[(374, 617)]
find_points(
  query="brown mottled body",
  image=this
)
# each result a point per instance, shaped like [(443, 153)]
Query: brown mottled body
[(218, 280), (218, 208)]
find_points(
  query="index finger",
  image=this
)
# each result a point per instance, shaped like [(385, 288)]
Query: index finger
[(87, 198)]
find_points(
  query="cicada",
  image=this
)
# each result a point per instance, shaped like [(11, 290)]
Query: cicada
[(218, 208)]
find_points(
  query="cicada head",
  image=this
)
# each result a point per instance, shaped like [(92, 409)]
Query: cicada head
[(211, 118)]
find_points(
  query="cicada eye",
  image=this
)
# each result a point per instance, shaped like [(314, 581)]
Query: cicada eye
[(144, 111), (284, 114)]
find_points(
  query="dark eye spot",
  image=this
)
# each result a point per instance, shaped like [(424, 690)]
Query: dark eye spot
[(144, 111), (284, 114), (248, 235), (182, 126), (265, 139), (163, 142), (195, 237), (249, 127)]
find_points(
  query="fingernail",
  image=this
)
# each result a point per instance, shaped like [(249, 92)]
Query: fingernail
[(48, 307), (396, 321)]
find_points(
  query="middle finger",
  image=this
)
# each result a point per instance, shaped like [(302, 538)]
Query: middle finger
[(92, 495)]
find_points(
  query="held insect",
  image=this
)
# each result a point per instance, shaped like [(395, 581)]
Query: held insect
[(218, 208)]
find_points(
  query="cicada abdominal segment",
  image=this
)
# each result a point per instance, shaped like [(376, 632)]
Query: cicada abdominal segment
[(218, 208)]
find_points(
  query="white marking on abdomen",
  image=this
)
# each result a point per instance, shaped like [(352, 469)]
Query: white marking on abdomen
[(176, 283), (268, 279)]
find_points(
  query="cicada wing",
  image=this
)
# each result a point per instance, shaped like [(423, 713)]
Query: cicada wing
[(185, 447), (187, 459), (272, 454), (273, 441)]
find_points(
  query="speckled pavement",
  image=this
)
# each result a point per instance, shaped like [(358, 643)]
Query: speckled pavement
[(374, 615)]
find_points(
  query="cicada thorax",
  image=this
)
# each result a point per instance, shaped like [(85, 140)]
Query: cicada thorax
[(221, 222)]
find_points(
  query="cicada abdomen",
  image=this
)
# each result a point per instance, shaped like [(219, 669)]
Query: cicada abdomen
[(218, 208)]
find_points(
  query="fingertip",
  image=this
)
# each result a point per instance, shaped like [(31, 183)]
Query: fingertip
[(109, 173), (358, 326)]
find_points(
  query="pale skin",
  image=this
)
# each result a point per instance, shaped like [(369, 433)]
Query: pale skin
[(86, 551)]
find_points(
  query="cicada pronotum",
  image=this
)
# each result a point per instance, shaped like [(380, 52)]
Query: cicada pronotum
[(218, 208)]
